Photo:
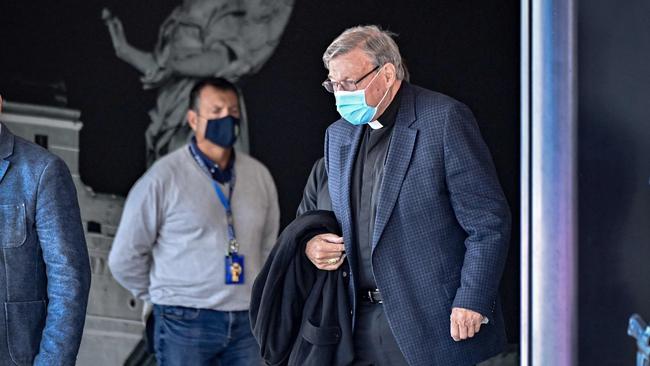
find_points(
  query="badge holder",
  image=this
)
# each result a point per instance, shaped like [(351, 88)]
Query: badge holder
[(234, 266)]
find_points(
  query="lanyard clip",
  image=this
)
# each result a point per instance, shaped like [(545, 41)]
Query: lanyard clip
[(233, 246)]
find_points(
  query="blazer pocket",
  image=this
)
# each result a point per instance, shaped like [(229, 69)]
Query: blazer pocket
[(321, 336), (25, 322), (13, 230)]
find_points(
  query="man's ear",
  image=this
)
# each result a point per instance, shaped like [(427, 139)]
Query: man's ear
[(0, 103), (192, 120), (390, 72)]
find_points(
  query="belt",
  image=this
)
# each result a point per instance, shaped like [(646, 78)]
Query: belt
[(371, 296)]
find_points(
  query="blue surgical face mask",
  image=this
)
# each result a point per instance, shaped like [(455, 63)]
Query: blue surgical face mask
[(222, 131), (352, 105)]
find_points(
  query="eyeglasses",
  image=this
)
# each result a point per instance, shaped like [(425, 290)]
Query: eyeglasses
[(347, 85)]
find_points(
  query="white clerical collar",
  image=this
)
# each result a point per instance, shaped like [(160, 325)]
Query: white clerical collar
[(375, 125)]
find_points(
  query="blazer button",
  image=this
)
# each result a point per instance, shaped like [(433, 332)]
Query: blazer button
[(345, 274)]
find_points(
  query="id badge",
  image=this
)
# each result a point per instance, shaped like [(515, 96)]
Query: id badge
[(234, 269)]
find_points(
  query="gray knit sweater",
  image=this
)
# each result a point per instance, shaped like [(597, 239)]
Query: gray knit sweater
[(170, 246)]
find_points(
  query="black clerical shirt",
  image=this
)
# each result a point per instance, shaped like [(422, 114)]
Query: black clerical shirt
[(366, 179)]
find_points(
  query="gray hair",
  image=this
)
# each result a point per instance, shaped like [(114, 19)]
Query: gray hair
[(376, 43)]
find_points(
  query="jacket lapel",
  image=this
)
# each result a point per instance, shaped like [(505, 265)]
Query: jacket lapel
[(400, 150), (346, 164), (6, 149)]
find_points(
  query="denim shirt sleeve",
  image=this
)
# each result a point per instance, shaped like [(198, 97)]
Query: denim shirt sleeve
[(61, 237)]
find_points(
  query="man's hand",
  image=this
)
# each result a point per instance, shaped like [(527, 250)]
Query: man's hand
[(143, 61), (325, 251), (464, 323), (116, 31)]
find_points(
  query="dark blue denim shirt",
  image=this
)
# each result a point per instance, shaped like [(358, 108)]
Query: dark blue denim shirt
[(221, 176)]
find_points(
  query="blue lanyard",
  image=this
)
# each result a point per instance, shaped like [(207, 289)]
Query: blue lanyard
[(233, 245)]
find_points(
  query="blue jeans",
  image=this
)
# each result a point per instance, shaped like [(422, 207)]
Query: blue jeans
[(188, 336)]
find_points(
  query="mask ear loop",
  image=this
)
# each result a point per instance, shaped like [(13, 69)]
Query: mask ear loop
[(237, 129), (380, 100)]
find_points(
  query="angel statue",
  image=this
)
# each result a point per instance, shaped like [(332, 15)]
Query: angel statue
[(200, 38)]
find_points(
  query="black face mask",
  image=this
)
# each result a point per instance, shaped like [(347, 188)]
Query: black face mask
[(222, 131)]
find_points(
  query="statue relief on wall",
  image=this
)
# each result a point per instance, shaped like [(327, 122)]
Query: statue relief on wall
[(200, 38)]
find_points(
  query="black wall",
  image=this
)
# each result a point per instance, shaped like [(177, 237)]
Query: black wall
[(466, 49), (614, 176)]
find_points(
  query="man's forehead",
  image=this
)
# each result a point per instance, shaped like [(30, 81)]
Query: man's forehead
[(349, 65), (211, 96)]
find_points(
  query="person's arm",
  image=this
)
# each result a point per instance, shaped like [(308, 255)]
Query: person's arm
[(480, 208), (309, 200), (61, 237), (272, 224), (142, 61), (326, 251), (130, 256)]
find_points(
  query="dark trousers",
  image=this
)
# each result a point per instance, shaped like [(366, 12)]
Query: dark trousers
[(374, 343)]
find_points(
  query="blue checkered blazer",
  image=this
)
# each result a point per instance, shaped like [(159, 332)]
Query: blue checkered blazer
[(442, 227)]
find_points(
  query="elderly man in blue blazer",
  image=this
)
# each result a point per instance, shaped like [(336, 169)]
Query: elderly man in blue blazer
[(44, 266), (425, 222)]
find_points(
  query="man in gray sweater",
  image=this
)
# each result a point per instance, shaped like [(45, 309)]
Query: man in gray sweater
[(195, 232)]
